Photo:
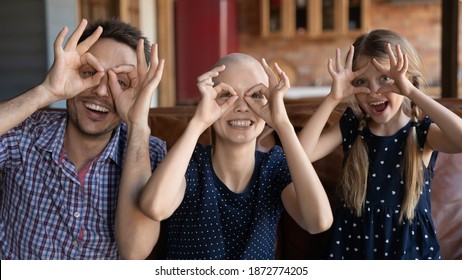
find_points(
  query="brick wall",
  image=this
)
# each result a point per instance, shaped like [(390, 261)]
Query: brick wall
[(419, 23)]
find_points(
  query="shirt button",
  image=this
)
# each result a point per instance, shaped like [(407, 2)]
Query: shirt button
[(75, 243), (76, 214)]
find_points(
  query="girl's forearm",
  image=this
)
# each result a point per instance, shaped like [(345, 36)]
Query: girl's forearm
[(449, 122), (310, 133)]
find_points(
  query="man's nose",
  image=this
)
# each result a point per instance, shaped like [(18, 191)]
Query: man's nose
[(102, 90)]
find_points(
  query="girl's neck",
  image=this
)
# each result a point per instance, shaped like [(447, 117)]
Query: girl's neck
[(390, 127), (234, 165)]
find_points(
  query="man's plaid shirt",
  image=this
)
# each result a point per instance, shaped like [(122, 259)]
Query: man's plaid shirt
[(46, 213)]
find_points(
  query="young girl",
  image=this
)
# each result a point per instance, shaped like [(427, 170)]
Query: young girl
[(390, 150), (224, 201)]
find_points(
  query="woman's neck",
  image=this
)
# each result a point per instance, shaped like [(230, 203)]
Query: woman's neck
[(234, 165)]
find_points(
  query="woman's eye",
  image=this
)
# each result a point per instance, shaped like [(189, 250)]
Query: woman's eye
[(256, 95), (87, 74), (225, 95)]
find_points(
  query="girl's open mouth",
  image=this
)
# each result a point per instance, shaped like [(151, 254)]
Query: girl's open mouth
[(378, 107)]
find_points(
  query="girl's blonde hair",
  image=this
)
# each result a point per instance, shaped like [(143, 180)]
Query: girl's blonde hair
[(355, 173)]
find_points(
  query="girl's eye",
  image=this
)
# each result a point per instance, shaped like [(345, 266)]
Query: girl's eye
[(358, 83), (385, 78)]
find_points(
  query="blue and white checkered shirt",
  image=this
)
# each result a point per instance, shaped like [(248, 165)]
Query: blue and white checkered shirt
[(46, 213)]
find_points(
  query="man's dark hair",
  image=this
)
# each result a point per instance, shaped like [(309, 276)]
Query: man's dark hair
[(121, 32)]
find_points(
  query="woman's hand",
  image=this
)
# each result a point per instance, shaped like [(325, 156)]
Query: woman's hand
[(216, 99), (269, 102)]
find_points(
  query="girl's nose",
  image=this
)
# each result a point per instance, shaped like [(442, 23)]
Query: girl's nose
[(374, 87)]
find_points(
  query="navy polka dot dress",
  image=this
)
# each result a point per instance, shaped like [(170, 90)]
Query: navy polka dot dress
[(213, 222), (378, 234)]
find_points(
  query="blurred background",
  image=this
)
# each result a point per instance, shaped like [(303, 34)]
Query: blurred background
[(192, 34)]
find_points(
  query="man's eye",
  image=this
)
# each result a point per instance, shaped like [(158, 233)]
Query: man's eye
[(122, 84), (123, 81)]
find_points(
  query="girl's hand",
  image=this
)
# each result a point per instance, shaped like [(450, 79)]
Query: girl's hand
[(65, 78), (397, 72), (343, 76), (215, 99), (133, 87), (268, 103)]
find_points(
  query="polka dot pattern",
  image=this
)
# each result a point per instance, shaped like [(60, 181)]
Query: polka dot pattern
[(213, 222), (378, 234)]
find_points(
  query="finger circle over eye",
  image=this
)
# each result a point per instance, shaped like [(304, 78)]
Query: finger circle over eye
[(207, 76), (124, 68), (222, 87), (259, 87), (91, 60)]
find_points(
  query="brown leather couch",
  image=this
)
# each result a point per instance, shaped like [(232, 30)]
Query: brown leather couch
[(295, 243)]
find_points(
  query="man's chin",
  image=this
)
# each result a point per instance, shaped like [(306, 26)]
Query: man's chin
[(98, 132), (95, 132)]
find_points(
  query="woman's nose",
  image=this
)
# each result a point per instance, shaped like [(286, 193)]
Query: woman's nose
[(241, 105)]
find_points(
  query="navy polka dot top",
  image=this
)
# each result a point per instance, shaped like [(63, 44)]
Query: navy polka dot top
[(377, 233), (212, 222)]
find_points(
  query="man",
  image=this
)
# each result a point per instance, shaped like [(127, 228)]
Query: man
[(62, 170)]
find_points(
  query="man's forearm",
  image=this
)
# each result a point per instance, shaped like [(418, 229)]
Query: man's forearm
[(17, 109)]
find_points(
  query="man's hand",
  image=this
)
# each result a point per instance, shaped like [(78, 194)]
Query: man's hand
[(64, 79), (133, 101)]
